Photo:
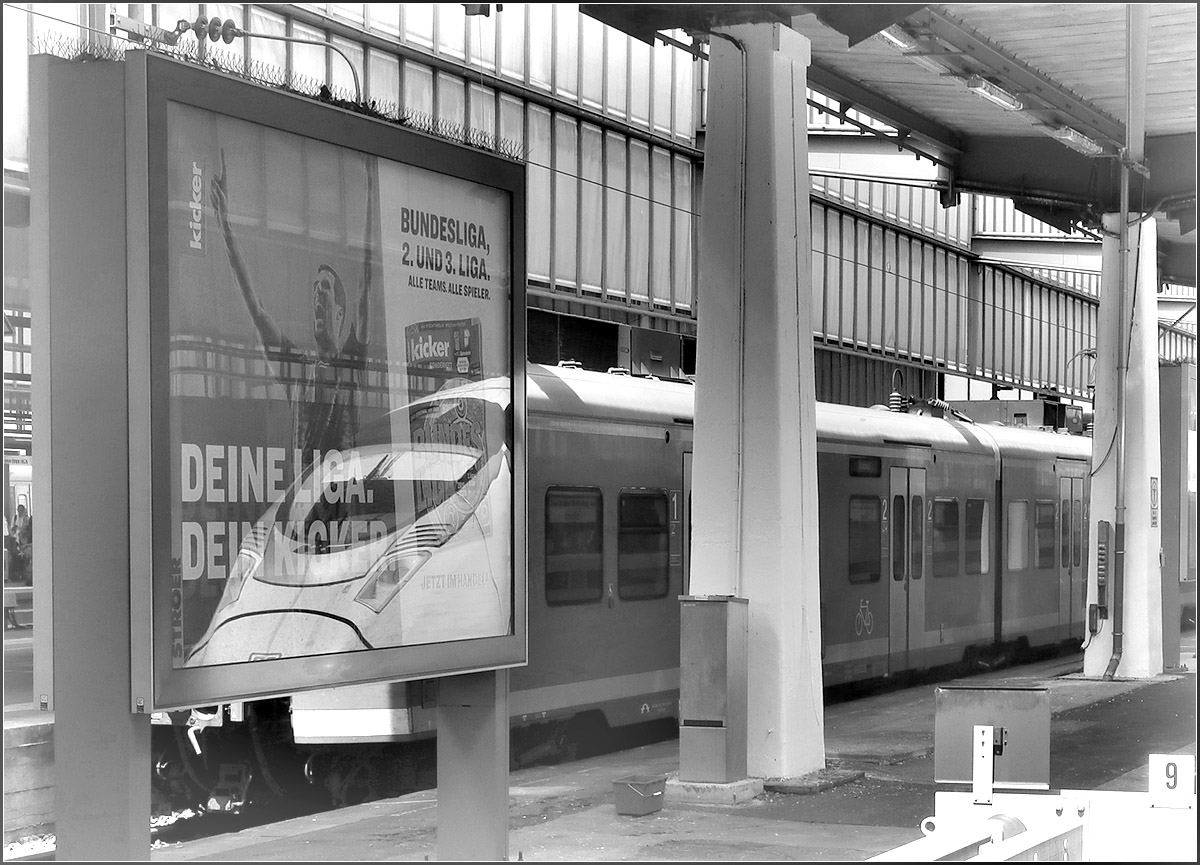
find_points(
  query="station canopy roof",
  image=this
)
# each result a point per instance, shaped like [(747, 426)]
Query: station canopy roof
[(1060, 67)]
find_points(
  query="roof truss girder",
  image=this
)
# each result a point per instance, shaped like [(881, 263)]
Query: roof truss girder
[(855, 95)]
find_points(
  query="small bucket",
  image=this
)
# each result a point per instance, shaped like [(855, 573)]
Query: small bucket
[(638, 795)]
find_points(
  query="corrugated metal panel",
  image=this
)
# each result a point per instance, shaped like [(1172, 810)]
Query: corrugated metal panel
[(1176, 345), (879, 289), (1032, 335), (907, 204), (849, 378)]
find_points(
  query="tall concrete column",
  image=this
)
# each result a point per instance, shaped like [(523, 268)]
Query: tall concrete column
[(79, 299), (754, 471), (1135, 330)]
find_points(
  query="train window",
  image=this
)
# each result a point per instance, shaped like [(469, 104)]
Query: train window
[(574, 545), (863, 548), (643, 558), (917, 547), (1043, 533), (945, 538), (898, 536), (978, 542), (1018, 535), (865, 467)]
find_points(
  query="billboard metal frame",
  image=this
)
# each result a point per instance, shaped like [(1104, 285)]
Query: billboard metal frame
[(151, 83)]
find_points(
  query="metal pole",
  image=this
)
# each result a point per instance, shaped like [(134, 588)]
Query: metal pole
[(1137, 18), (1122, 371)]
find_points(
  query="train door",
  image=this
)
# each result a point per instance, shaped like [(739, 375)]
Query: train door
[(687, 522), (1072, 561), (907, 568)]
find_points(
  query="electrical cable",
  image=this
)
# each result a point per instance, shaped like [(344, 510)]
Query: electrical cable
[(29, 10)]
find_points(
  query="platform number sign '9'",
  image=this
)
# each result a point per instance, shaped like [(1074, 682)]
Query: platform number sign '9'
[(1172, 780)]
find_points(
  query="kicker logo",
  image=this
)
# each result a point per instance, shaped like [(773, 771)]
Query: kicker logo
[(427, 348), (197, 208)]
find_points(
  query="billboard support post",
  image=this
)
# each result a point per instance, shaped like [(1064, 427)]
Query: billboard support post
[(77, 183), (472, 760)]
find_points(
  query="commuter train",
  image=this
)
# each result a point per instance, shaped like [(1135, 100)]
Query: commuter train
[(941, 541)]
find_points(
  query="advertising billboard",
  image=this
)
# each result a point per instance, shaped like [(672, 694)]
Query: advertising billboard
[(335, 439)]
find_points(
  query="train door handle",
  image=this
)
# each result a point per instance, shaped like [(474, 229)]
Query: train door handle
[(610, 596)]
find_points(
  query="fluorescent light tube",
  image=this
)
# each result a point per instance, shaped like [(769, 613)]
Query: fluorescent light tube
[(1076, 140), (985, 89), (897, 38)]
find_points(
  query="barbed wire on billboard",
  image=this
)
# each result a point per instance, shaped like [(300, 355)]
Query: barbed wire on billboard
[(113, 49)]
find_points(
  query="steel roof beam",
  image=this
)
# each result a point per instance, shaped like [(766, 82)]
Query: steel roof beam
[(826, 81)]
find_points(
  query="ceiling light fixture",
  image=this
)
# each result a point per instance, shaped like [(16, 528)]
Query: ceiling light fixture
[(1075, 140), (985, 89), (911, 49), (897, 38)]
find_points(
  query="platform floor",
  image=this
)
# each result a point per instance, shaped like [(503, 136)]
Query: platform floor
[(876, 788), (871, 797)]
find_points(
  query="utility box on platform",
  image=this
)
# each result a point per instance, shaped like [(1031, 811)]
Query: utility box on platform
[(1020, 715), (713, 637)]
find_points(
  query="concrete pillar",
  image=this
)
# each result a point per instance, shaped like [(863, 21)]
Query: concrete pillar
[(82, 562), (1137, 330), (755, 480)]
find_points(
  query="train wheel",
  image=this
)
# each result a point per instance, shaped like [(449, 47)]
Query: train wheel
[(542, 743), (278, 761), (1022, 652), (590, 735), (171, 789), (566, 747), (970, 659), (193, 774)]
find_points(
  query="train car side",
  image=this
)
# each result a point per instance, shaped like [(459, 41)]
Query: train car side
[(919, 548), (1042, 554), (944, 541), (899, 590), (606, 536)]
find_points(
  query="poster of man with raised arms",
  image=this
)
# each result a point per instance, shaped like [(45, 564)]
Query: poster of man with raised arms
[(340, 379)]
